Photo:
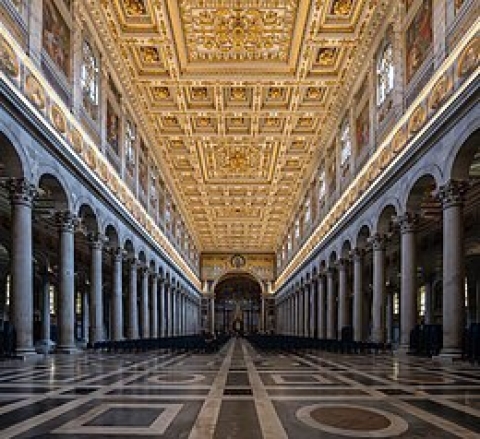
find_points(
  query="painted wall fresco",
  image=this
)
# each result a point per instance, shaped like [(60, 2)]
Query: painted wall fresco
[(216, 264), (56, 37), (143, 167), (419, 38), (362, 128), (113, 125)]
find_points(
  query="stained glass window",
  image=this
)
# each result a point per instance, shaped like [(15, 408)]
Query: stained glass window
[(385, 74)]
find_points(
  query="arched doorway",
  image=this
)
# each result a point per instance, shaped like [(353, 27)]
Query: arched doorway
[(238, 304)]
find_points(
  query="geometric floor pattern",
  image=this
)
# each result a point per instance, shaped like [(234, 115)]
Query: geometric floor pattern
[(237, 393)]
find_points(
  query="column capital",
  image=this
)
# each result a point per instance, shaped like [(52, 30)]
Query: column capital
[(408, 222), (118, 253), (342, 263), (357, 254), (330, 271), (66, 221), (378, 241), (96, 240), (133, 262), (321, 274), (452, 193), (144, 269), (21, 191)]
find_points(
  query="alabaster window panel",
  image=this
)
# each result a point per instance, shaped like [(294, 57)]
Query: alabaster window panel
[(308, 211), (385, 73), (143, 167), (345, 145), (89, 77), (322, 184), (129, 143)]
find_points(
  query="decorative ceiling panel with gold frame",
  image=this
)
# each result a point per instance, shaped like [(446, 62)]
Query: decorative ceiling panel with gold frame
[(237, 97)]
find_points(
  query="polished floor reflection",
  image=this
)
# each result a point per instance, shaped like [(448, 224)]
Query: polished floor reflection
[(237, 393)]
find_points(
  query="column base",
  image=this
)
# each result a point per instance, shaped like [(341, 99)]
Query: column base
[(67, 350), (24, 353), (45, 347), (402, 350), (449, 356)]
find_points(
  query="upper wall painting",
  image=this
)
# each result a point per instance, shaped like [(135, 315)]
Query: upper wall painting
[(56, 37), (419, 38)]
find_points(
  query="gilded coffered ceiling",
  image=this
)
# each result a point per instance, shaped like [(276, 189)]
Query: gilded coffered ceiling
[(239, 98)]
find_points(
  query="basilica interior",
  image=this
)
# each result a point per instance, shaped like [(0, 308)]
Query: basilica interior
[(239, 218)]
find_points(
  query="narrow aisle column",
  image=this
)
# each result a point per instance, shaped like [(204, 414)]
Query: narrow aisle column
[(428, 302), (357, 255), (132, 302), (331, 330), (306, 310), (22, 194), (117, 302), (144, 314), (96, 295), (342, 297), (408, 270), (212, 313), (161, 318), (378, 302), (297, 312), (314, 308), (301, 311), (321, 307), (178, 298), (389, 316), (154, 306), (171, 310), (262, 314), (66, 283), (168, 309), (452, 196), (46, 305)]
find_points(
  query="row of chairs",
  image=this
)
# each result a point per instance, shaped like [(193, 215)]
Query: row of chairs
[(186, 343), (471, 349), (426, 340), (288, 343)]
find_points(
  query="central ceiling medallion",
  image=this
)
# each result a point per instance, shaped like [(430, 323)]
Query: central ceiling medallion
[(243, 161), (234, 31), (236, 34)]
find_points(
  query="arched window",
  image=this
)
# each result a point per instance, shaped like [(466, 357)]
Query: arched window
[(345, 144), (297, 228), (130, 137), (322, 184), (289, 243), (385, 73)]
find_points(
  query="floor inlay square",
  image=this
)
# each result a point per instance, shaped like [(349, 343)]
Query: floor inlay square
[(295, 379), (123, 419)]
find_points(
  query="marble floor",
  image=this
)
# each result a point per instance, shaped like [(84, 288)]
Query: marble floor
[(237, 393)]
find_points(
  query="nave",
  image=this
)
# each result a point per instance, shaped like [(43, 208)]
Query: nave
[(239, 392)]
